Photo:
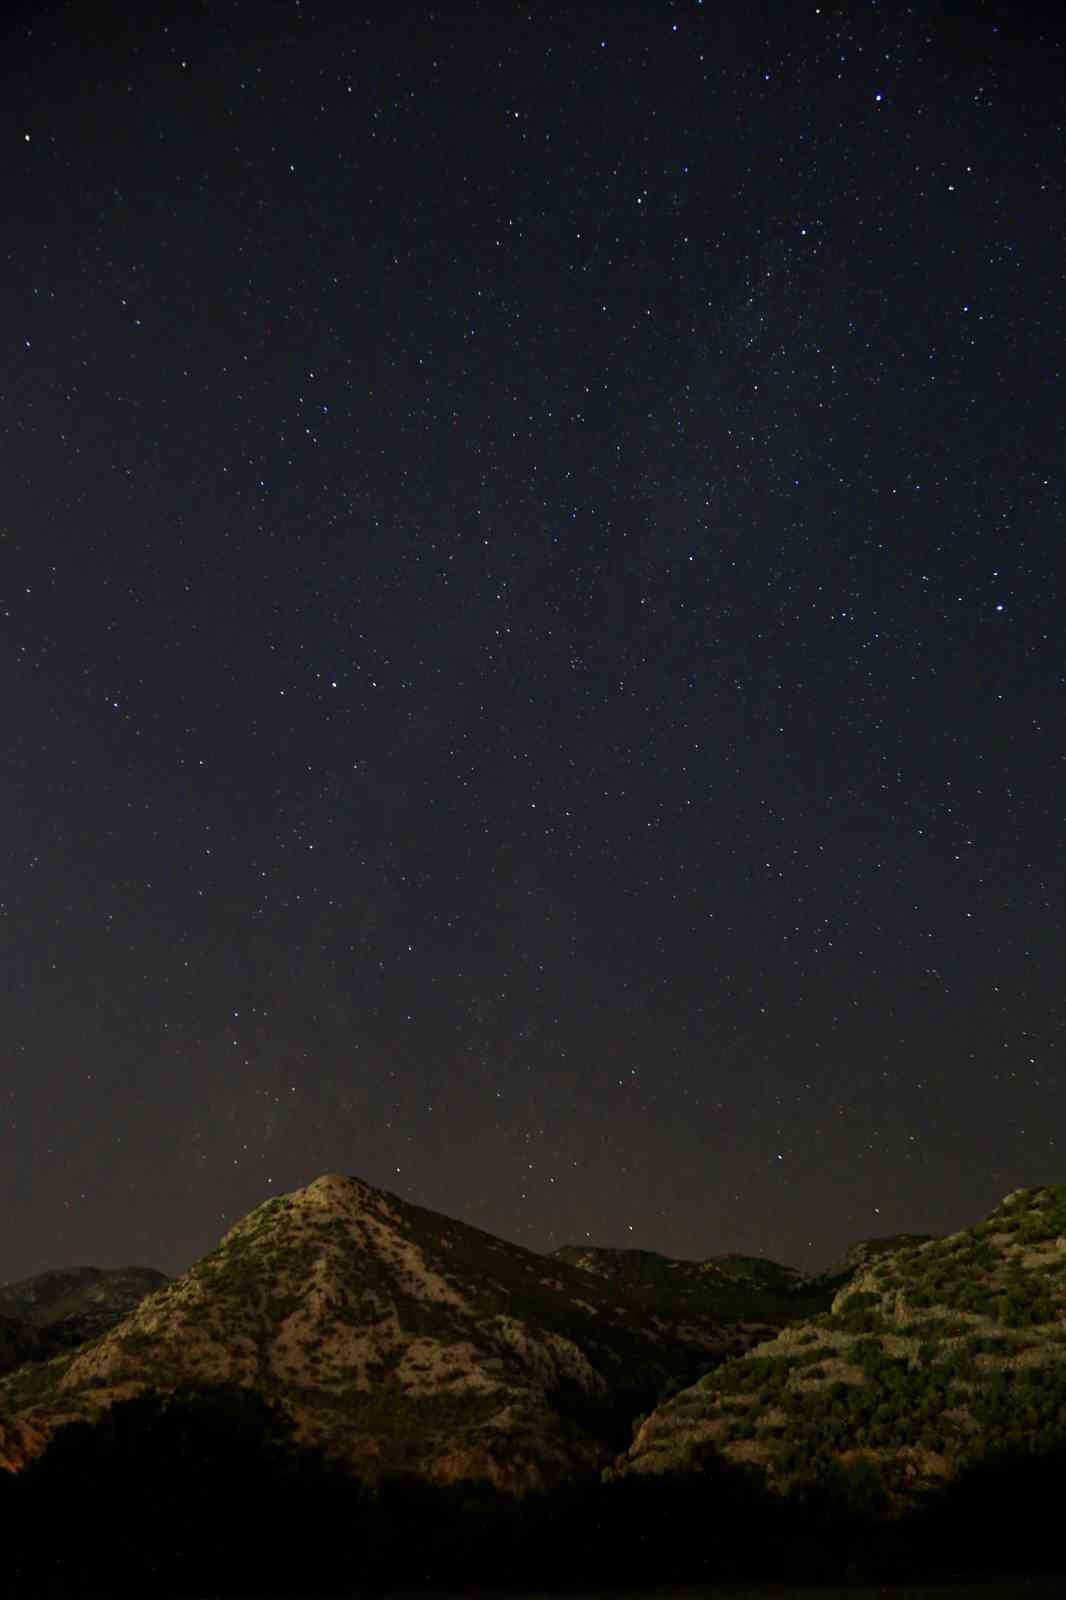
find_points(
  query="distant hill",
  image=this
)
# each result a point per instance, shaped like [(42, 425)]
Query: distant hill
[(396, 1339), (726, 1287), (937, 1355), (66, 1308)]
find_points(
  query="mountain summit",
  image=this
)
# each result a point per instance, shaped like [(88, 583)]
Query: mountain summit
[(396, 1339)]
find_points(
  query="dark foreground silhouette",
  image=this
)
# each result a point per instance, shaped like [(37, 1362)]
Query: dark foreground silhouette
[(206, 1493)]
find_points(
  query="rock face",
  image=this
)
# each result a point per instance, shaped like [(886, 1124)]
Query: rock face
[(936, 1353), (64, 1309), (396, 1340)]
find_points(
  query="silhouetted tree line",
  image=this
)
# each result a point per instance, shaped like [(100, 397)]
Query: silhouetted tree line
[(206, 1494)]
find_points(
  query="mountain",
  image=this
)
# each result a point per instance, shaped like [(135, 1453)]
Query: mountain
[(64, 1309), (396, 1339), (723, 1288), (937, 1355)]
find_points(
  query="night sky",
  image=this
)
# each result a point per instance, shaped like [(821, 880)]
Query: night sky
[(532, 632)]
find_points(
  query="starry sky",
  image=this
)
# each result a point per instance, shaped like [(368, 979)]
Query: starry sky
[(531, 628)]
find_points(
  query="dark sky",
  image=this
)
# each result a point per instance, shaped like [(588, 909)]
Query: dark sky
[(532, 609)]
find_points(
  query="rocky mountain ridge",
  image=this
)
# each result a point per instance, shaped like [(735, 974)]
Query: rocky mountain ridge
[(396, 1340), (441, 1373)]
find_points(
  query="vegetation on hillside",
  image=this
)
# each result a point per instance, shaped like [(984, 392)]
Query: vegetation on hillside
[(939, 1355)]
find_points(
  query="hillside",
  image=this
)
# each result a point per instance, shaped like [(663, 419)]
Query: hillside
[(935, 1355), (396, 1339)]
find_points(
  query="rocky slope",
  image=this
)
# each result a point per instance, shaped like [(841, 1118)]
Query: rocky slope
[(396, 1339), (62, 1309), (937, 1353)]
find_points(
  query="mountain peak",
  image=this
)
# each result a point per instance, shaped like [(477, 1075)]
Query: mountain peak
[(395, 1338)]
